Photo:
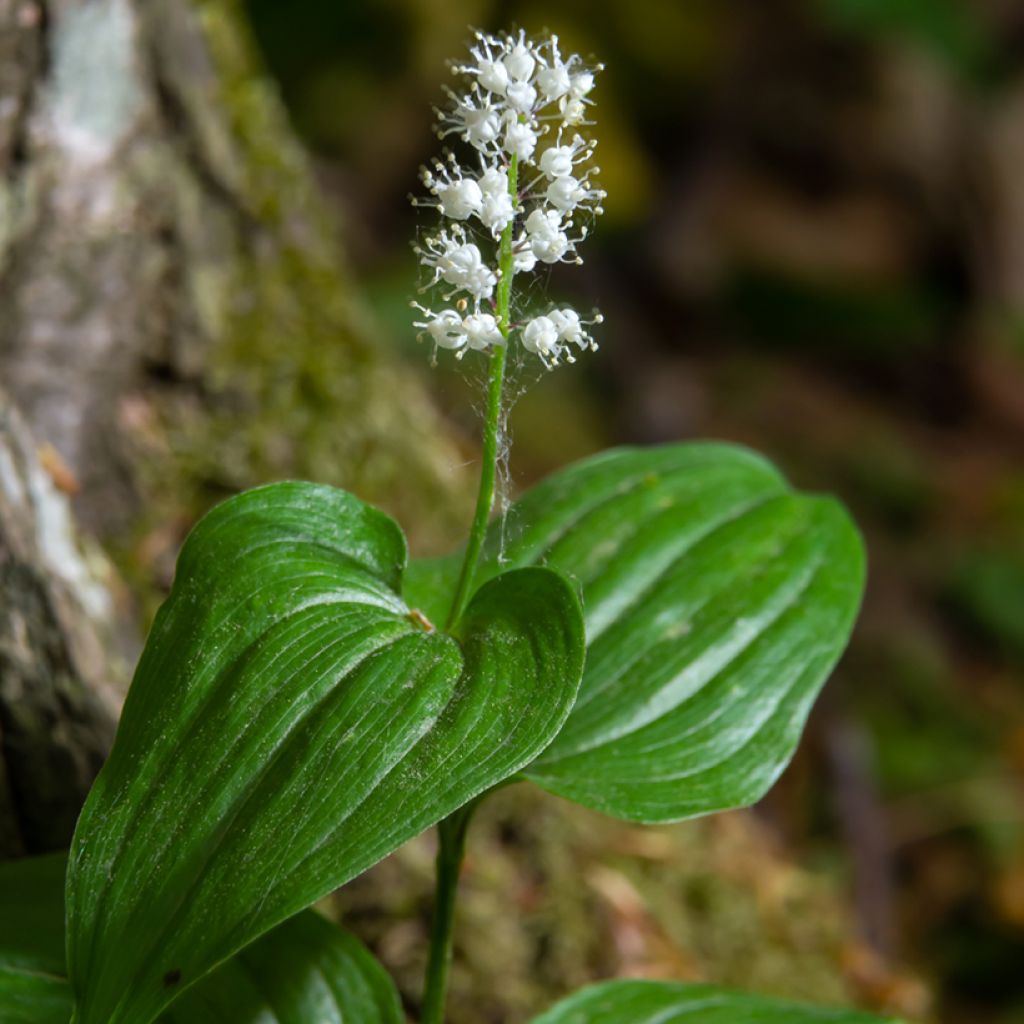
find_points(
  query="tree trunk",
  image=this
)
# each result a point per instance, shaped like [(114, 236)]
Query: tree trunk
[(176, 323), (57, 699), (167, 268)]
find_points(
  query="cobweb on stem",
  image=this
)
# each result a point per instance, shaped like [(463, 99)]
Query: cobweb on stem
[(514, 191)]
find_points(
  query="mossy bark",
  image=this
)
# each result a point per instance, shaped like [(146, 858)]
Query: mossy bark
[(173, 304), (176, 322)]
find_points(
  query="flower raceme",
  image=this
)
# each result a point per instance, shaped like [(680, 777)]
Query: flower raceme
[(517, 199)]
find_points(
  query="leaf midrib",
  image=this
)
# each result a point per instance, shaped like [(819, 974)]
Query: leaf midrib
[(237, 805)]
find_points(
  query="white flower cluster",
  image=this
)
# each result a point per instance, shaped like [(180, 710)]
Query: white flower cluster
[(522, 112)]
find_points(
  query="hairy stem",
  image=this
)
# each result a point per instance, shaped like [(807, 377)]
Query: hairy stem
[(492, 418), (451, 849)]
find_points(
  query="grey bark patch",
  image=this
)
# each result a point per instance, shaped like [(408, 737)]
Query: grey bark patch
[(96, 92), (165, 256), (57, 707)]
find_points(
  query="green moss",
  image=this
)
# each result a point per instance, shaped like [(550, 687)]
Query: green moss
[(289, 380), (554, 896)]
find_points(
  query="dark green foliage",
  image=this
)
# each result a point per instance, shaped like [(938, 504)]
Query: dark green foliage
[(293, 720), (716, 602), (291, 723)]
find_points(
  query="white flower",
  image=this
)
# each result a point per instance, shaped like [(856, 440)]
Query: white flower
[(571, 328), (520, 62), (459, 263), (482, 331), (557, 162), (521, 140), (513, 91), (547, 241), (553, 82), (479, 125), (523, 258), (493, 76), (496, 209), (544, 224), (445, 328), (573, 110), (460, 199), (567, 193), (521, 96), (489, 70), (540, 336), (567, 323), (549, 336), (560, 160), (494, 182), (580, 84), (482, 126)]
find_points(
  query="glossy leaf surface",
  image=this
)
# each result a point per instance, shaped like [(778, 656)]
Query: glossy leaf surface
[(716, 602), (654, 1002), (290, 723)]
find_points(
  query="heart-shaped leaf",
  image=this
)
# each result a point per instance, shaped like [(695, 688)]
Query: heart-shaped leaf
[(304, 970), (289, 724), (655, 1002), (716, 601)]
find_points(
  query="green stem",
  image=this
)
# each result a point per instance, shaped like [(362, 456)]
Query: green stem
[(452, 831), (451, 849), (492, 417)]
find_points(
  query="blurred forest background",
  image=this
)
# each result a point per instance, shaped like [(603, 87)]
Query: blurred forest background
[(814, 244)]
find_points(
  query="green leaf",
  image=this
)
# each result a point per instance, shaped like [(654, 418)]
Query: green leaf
[(290, 723), (716, 602), (656, 1002), (304, 970), (33, 989)]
